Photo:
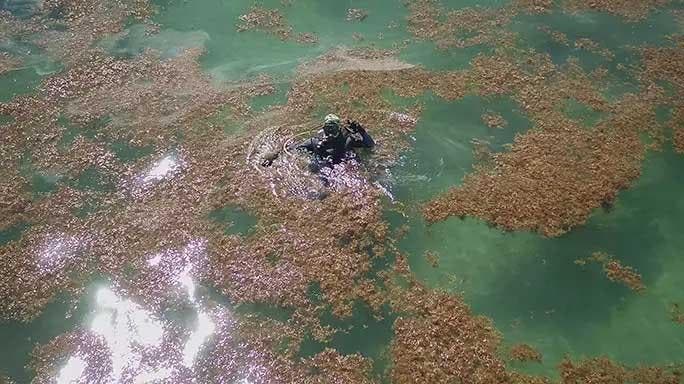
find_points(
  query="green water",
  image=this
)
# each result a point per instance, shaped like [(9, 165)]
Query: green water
[(529, 285), (33, 67), (57, 318), (17, 83), (535, 292), (234, 220), (443, 152), (128, 153)]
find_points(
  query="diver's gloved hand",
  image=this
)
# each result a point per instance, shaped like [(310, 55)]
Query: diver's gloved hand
[(353, 126), (355, 129)]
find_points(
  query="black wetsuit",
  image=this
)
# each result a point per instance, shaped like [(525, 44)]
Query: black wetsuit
[(330, 150)]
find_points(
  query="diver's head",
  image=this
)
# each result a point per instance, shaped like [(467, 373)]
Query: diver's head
[(331, 118), (331, 127), (331, 130)]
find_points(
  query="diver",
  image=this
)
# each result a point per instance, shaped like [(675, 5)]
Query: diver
[(333, 144)]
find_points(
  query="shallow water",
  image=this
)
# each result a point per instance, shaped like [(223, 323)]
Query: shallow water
[(529, 285)]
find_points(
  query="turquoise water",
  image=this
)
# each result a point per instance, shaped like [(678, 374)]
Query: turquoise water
[(58, 317), (234, 220), (530, 286), (536, 294)]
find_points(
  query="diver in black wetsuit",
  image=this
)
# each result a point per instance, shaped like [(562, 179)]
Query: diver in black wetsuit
[(332, 145)]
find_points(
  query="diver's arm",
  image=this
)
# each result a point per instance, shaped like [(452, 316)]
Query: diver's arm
[(307, 145), (367, 141), (358, 137), (270, 157)]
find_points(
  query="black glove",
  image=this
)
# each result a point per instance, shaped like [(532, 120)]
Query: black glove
[(354, 126)]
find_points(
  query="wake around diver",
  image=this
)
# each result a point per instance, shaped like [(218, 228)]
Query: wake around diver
[(333, 144)]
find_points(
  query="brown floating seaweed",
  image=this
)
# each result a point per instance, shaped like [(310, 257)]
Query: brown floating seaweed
[(524, 352), (437, 339), (432, 258), (534, 6), (602, 370), (594, 47), (586, 170), (460, 28), (631, 10), (558, 172), (615, 271), (519, 378), (677, 126), (265, 20), (273, 22), (86, 21), (8, 63), (557, 36), (278, 263), (676, 314), (494, 120), (356, 14)]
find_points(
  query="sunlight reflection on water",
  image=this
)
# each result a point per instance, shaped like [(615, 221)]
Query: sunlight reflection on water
[(133, 333)]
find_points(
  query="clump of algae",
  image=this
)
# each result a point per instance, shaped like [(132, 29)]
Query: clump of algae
[(494, 120), (272, 21), (524, 353), (558, 172), (631, 10), (615, 271), (587, 371)]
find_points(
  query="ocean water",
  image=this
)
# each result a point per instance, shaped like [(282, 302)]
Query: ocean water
[(529, 285)]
